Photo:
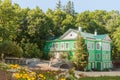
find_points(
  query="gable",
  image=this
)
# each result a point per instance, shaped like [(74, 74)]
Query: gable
[(71, 35), (107, 38)]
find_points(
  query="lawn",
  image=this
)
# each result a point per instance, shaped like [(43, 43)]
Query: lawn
[(101, 78)]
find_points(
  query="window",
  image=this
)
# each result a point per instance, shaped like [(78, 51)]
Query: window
[(98, 46), (93, 65), (92, 45), (106, 46), (88, 45), (98, 56), (56, 45), (62, 45), (67, 45)]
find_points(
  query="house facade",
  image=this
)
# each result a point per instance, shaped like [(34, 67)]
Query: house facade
[(99, 48)]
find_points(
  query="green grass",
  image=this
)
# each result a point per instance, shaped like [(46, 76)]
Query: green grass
[(101, 78)]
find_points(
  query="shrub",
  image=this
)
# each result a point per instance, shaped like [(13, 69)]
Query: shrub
[(10, 49)]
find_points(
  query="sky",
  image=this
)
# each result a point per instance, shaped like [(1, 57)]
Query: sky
[(79, 5)]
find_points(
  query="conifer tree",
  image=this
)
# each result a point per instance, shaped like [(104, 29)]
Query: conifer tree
[(59, 5), (81, 55)]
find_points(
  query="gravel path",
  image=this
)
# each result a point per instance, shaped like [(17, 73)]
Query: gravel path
[(45, 66), (96, 74)]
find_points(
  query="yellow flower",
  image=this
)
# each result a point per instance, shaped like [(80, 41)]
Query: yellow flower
[(40, 75), (44, 78), (62, 79), (25, 76), (17, 75), (32, 73), (16, 66), (32, 78)]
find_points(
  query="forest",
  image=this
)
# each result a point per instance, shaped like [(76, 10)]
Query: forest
[(24, 31)]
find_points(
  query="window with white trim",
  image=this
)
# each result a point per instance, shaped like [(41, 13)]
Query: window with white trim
[(67, 45), (56, 45), (92, 45), (88, 45), (97, 46), (106, 46), (62, 45)]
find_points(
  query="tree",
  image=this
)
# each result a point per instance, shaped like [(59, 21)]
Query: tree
[(116, 43), (10, 49), (32, 51), (69, 8), (90, 21), (59, 5), (57, 18), (80, 57), (10, 19), (113, 22)]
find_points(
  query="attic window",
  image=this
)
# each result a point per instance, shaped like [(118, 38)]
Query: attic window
[(70, 34)]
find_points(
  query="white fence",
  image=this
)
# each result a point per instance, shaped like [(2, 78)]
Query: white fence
[(21, 61)]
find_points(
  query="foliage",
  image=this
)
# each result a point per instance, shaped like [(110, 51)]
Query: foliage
[(69, 8), (116, 44), (10, 49), (10, 19), (80, 57), (31, 50), (65, 55), (4, 66), (59, 5)]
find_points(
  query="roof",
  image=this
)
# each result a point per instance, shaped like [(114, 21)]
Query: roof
[(85, 35), (100, 36)]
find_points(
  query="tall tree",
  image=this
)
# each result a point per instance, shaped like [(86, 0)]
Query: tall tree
[(116, 44), (93, 20), (9, 20), (37, 26), (113, 22), (81, 55), (69, 8), (59, 5), (57, 17)]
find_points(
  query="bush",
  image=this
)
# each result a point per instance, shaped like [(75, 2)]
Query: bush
[(32, 51), (10, 49)]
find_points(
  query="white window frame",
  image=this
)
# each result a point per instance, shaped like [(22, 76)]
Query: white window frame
[(53, 46), (56, 45), (62, 46), (92, 45), (88, 46), (66, 46), (97, 46)]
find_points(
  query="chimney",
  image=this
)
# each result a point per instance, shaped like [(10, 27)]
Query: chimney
[(80, 29), (95, 33)]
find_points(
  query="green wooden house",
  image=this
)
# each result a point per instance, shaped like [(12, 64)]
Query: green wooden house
[(99, 48)]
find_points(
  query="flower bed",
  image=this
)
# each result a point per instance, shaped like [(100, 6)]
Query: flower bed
[(24, 73)]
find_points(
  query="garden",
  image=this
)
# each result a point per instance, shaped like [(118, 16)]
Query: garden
[(17, 72)]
